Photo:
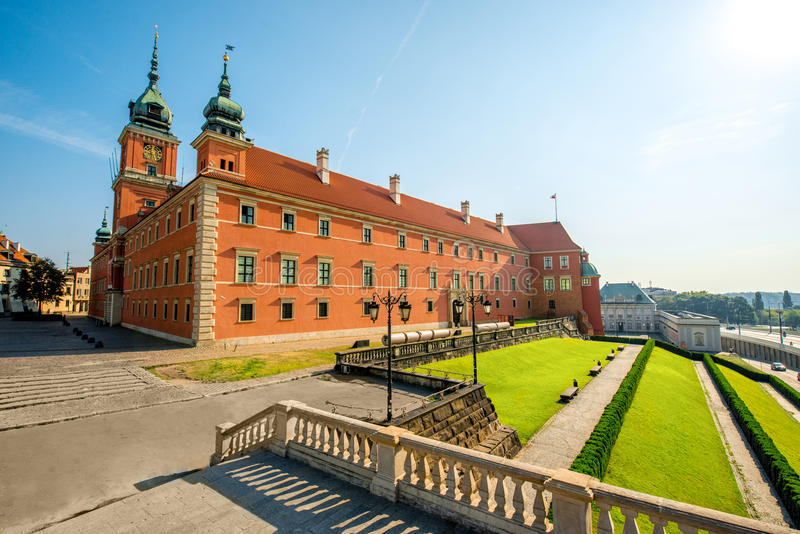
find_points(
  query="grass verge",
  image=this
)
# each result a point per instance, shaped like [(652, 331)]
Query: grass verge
[(232, 369), (525, 381)]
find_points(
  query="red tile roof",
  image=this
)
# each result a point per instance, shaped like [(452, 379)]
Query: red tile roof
[(283, 175), (79, 269), (543, 236)]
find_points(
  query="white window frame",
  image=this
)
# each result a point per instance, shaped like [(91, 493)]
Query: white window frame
[(400, 268), (249, 204), (548, 262), (402, 240), (250, 253), (325, 301), (329, 261), (284, 213), (364, 228), (288, 300), (320, 219), (250, 301), (586, 281), (290, 256), (564, 262), (568, 280), (371, 265), (549, 281)]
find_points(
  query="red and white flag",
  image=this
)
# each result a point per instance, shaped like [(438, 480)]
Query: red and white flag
[(554, 195)]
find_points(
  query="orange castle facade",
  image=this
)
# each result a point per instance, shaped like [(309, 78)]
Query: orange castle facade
[(260, 247)]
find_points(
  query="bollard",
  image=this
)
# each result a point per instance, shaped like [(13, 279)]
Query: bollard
[(98, 345), (85, 336), (91, 340)]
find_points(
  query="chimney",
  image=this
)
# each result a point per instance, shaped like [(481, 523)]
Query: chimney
[(499, 219), (465, 210), (394, 188), (322, 166)]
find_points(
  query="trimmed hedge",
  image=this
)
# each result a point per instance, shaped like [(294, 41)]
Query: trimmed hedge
[(620, 339), (791, 394), (593, 458), (784, 479)]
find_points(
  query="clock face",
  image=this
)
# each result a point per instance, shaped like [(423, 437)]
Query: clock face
[(152, 152)]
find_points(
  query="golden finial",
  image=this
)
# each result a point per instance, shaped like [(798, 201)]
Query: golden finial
[(156, 31), (225, 57)]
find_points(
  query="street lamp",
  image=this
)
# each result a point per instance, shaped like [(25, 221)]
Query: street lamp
[(405, 312), (780, 324), (472, 299)]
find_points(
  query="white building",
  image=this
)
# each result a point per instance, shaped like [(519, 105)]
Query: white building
[(690, 331), (626, 309)]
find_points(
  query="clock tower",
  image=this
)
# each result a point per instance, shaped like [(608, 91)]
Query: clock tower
[(148, 156)]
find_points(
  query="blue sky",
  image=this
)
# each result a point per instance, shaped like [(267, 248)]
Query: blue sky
[(669, 130)]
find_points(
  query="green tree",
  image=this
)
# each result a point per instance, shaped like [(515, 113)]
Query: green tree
[(792, 318), (758, 302), (41, 282), (787, 300)]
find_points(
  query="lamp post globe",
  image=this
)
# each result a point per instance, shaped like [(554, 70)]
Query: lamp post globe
[(405, 311), (487, 306)]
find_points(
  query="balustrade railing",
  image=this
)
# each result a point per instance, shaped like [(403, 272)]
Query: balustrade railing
[(475, 489)]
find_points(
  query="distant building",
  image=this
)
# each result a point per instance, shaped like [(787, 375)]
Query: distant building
[(659, 292), (13, 259), (689, 330), (626, 309), (76, 293)]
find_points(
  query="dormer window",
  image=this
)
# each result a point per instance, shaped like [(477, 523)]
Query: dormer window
[(154, 110), (149, 203), (230, 166)]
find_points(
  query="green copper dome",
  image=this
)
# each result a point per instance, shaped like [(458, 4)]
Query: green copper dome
[(587, 269), (103, 233), (150, 110), (222, 114)]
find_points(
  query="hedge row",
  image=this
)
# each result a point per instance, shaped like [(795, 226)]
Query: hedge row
[(593, 458), (784, 479), (760, 376), (619, 339)]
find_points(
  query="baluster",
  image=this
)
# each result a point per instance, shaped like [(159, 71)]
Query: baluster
[(343, 444), (630, 526), (336, 436), (499, 494), (352, 447), (483, 491), (327, 434), (437, 475), (467, 485), (604, 523), (518, 501), (660, 525), (298, 436), (310, 426), (372, 455), (540, 506), (410, 474), (687, 529), (424, 472), (451, 480)]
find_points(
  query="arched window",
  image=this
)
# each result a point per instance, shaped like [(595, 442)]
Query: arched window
[(699, 339)]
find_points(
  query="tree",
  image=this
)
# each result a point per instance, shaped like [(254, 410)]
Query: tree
[(758, 302), (41, 282), (787, 300)]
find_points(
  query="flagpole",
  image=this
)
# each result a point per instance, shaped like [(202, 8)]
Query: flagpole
[(556, 200)]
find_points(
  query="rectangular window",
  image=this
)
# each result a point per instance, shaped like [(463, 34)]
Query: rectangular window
[(527, 284), (139, 307), (469, 252), (248, 214), (158, 225), (514, 303), (177, 270), (178, 219), (566, 283), (455, 250), (495, 256), (402, 277), (145, 308), (367, 235), (497, 282), (529, 304), (288, 271), (175, 311), (151, 170), (187, 313), (166, 307), (513, 283), (230, 166), (155, 274), (149, 203), (191, 212), (288, 221), (324, 278), (148, 236), (147, 277), (513, 259), (287, 310), (429, 305), (565, 262), (586, 281), (365, 307), (426, 244), (246, 311), (401, 240), (471, 281), (324, 227), (527, 261), (480, 254), (245, 269), (166, 231), (140, 278), (440, 247), (166, 273), (189, 267), (497, 304), (222, 164), (456, 279), (549, 284), (322, 309), (481, 283), (432, 279), (548, 262), (367, 272), (155, 309)]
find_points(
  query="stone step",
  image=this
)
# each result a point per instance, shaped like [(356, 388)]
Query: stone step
[(76, 396), (68, 388), (21, 388), (43, 379)]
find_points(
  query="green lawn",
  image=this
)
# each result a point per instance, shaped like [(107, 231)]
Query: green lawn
[(669, 445), (525, 381), (239, 368), (781, 427)]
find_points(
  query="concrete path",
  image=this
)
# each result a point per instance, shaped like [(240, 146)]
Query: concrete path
[(260, 493), (759, 496), (51, 472), (790, 408), (560, 440)]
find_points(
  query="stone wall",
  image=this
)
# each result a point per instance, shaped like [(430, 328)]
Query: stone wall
[(466, 418), (763, 350)]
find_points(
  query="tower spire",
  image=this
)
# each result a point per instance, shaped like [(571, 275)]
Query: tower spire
[(224, 85), (154, 62)]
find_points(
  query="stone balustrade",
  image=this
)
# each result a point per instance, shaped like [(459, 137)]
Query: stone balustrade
[(475, 489)]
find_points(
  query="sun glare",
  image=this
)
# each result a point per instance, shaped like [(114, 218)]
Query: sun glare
[(763, 30)]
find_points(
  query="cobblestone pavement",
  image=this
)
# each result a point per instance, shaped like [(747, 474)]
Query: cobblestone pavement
[(560, 440), (760, 498), (51, 472), (259, 493)]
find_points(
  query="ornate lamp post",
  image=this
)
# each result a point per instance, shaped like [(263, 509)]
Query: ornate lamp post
[(405, 312), (472, 299)]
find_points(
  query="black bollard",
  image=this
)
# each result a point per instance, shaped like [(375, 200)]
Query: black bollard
[(91, 340), (85, 336), (98, 345), (575, 382)]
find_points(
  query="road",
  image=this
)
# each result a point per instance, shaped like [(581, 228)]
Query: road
[(792, 339)]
